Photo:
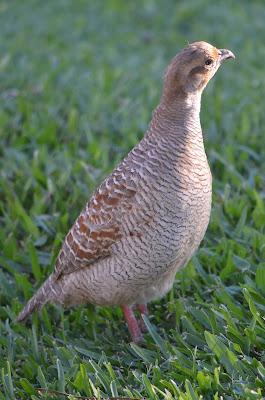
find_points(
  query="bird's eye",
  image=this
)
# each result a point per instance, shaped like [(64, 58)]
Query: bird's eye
[(209, 61)]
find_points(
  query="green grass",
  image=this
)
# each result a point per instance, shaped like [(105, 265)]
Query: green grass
[(78, 81)]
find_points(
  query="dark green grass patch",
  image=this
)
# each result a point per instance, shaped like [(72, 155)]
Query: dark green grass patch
[(78, 82)]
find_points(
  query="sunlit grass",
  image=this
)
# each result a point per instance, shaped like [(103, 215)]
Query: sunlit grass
[(78, 82)]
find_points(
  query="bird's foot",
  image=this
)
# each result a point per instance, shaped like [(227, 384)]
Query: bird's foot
[(132, 324), (142, 308)]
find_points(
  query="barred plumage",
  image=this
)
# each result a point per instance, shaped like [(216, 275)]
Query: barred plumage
[(146, 220)]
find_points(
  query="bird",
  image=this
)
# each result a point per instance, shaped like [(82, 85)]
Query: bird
[(148, 217)]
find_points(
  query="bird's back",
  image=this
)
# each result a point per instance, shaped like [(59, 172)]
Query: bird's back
[(143, 223)]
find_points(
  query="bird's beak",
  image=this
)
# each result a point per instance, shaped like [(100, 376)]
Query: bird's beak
[(225, 54)]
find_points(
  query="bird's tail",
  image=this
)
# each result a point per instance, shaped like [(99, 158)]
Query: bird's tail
[(36, 303)]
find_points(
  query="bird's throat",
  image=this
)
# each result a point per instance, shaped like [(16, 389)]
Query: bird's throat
[(180, 114)]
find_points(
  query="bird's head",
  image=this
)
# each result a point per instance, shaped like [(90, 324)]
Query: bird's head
[(193, 67)]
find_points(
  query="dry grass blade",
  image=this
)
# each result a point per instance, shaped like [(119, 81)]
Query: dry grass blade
[(47, 391)]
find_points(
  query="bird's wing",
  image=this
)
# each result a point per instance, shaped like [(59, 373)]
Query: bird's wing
[(100, 223)]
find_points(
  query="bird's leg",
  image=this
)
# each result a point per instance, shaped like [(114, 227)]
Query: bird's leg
[(142, 308), (132, 324)]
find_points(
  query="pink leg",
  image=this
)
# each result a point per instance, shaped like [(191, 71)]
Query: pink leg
[(132, 324), (142, 308)]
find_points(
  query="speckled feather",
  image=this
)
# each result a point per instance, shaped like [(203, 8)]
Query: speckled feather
[(146, 220)]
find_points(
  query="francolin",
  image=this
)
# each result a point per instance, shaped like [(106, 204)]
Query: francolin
[(148, 217)]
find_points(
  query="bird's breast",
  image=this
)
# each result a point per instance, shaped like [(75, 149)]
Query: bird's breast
[(181, 202)]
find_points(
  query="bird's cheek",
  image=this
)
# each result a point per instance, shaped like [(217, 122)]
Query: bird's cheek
[(207, 77), (213, 72), (196, 82)]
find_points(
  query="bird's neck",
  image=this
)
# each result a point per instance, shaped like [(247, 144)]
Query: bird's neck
[(178, 115)]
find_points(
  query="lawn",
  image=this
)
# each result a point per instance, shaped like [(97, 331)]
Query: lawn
[(78, 82)]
